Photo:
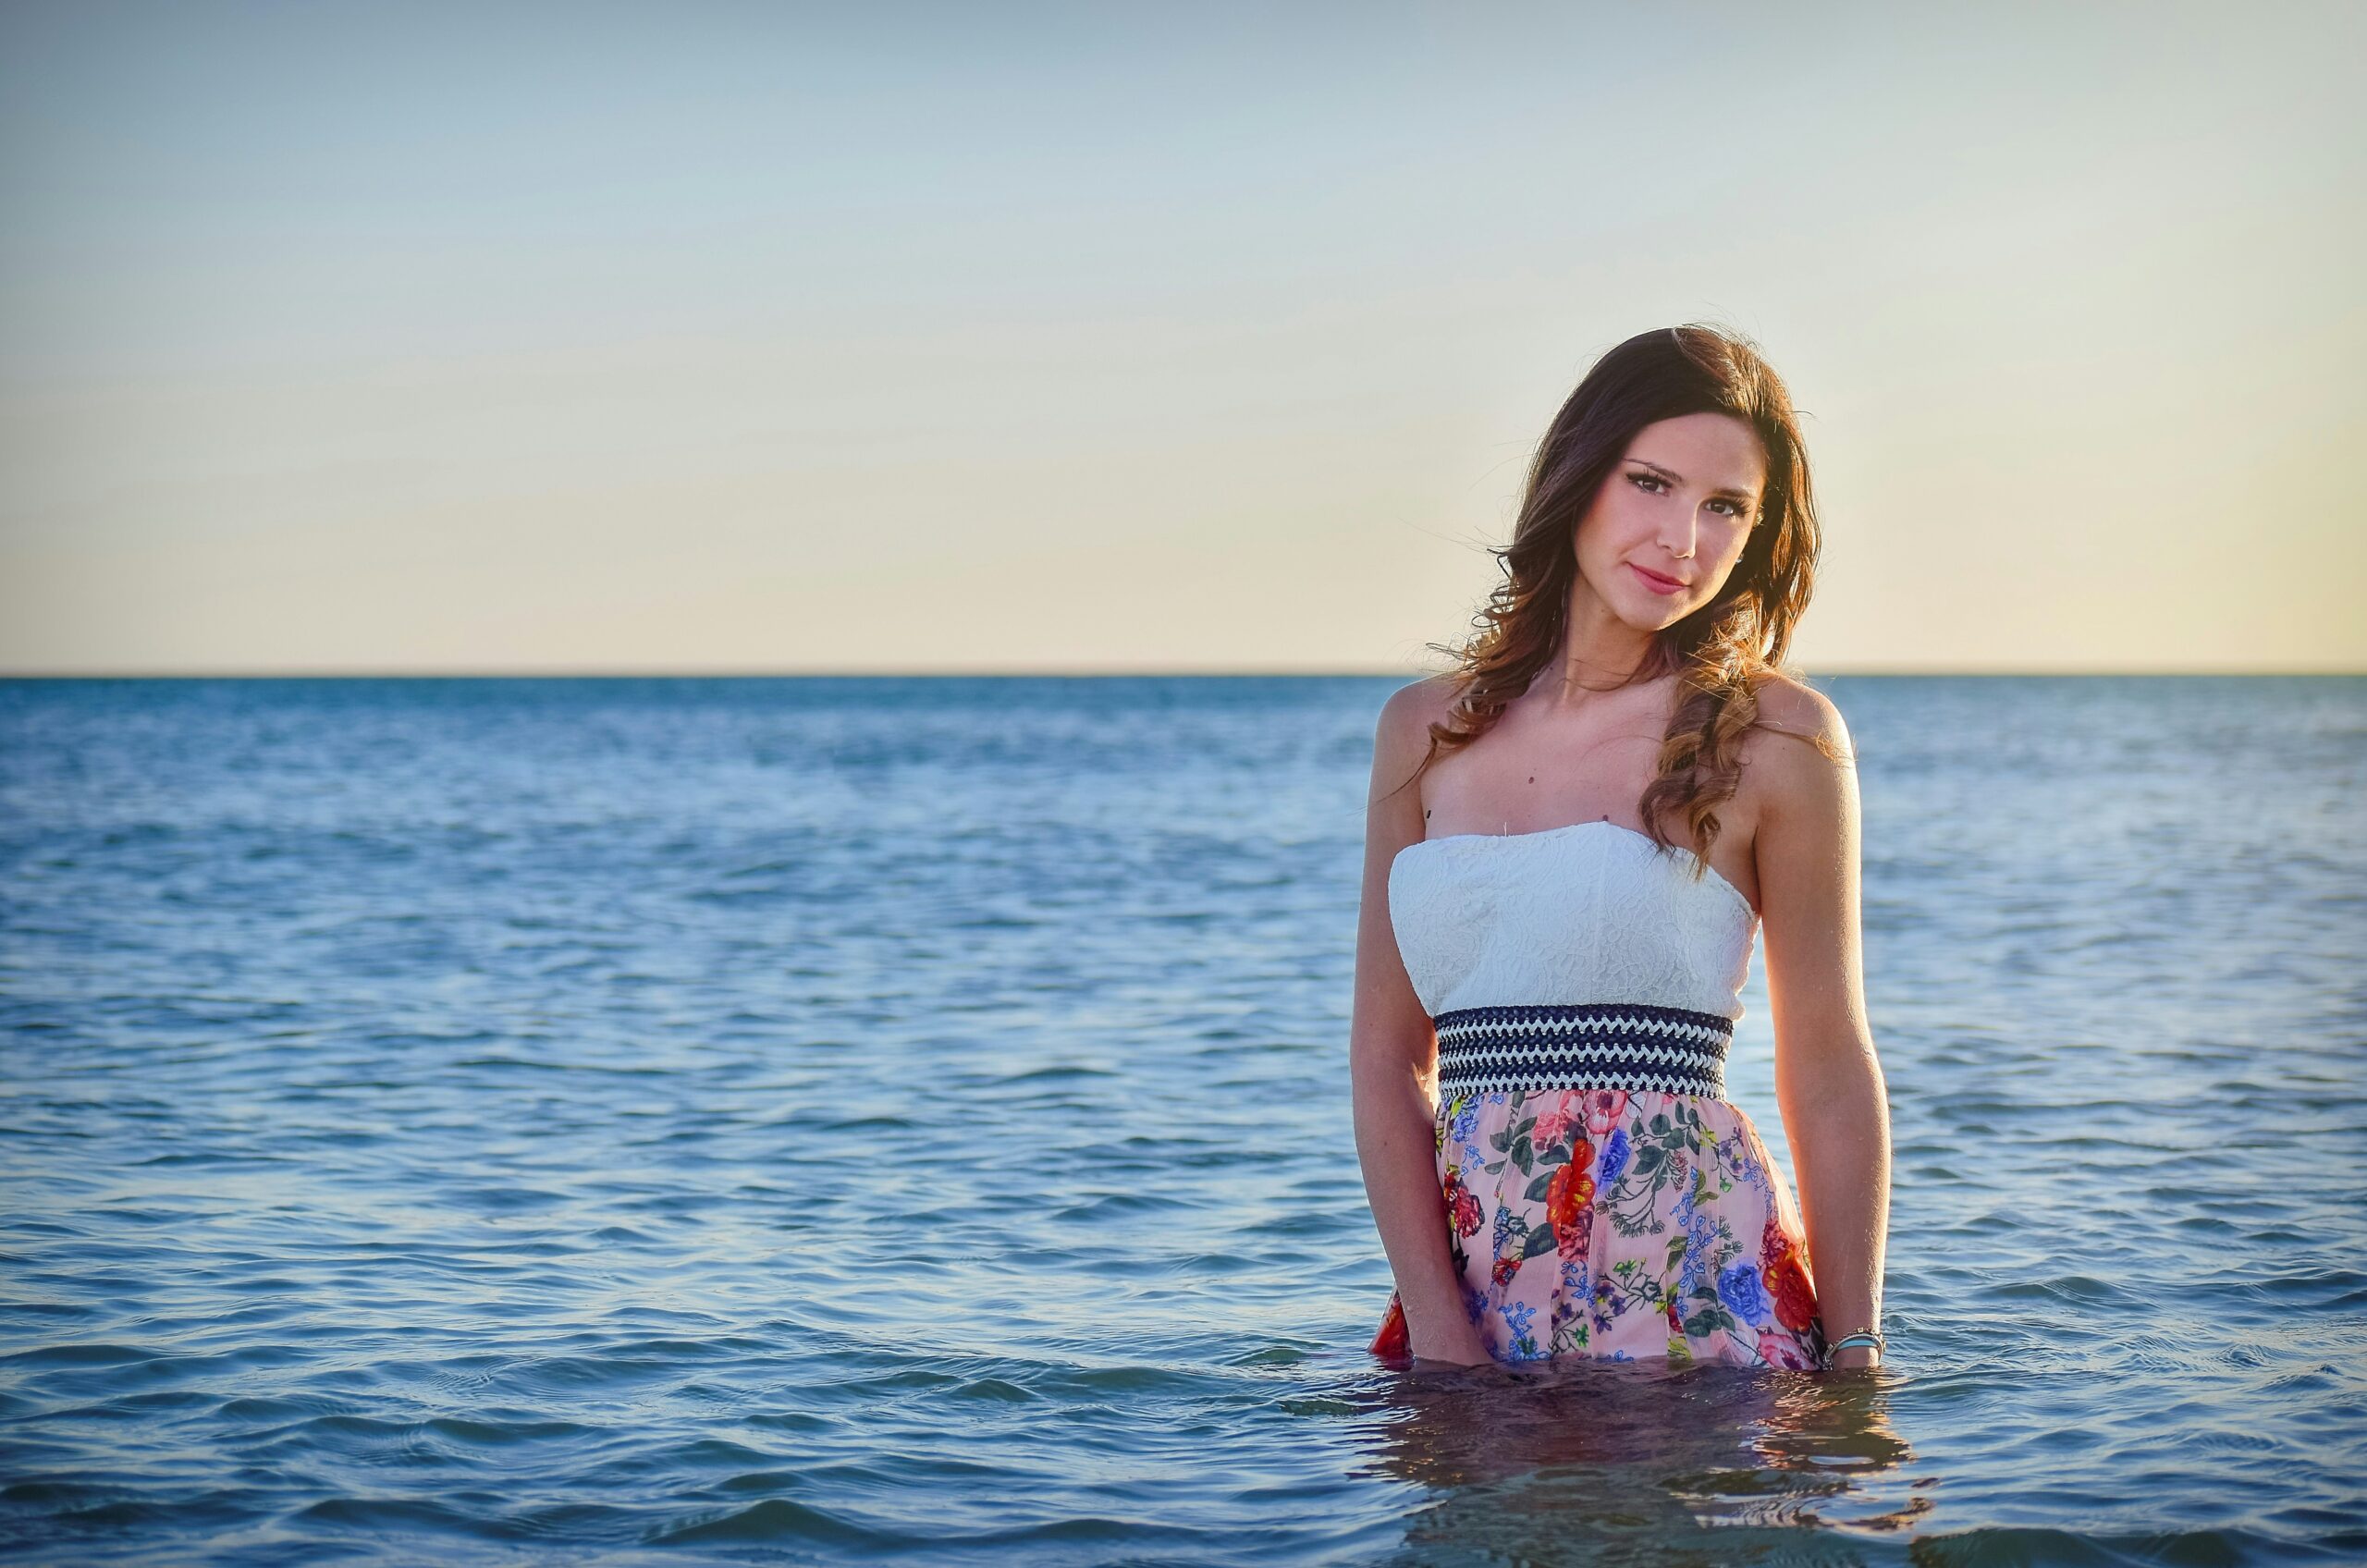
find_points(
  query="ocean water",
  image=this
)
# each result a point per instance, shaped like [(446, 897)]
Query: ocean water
[(884, 1119)]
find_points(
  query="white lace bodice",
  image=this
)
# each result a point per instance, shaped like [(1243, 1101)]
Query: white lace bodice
[(1589, 912)]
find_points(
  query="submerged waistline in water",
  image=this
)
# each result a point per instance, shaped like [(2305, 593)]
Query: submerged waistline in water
[(1582, 1045)]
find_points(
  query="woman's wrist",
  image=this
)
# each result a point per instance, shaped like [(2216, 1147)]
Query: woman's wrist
[(1857, 1347)]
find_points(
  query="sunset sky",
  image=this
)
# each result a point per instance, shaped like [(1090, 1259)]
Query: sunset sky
[(511, 338)]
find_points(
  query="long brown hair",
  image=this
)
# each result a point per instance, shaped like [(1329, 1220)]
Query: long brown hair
[(1720, 651)]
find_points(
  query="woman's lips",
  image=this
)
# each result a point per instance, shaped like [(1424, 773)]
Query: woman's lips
[(1655, 582)]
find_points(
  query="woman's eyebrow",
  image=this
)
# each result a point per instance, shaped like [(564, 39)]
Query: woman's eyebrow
[(1743, 495)]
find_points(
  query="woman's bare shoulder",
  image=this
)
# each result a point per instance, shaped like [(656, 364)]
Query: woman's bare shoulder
[(1402, 740), (1406, 716), (1790, 705), (1797, 752)]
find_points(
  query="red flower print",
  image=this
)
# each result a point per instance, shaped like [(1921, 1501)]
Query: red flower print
[(1395, 1341), (1605, 1108), (1788, 1288), (1552, 1127), (1569, 1198), (1508, 1266), (1782, 1350), (1784, 1267), (1462, 1204)]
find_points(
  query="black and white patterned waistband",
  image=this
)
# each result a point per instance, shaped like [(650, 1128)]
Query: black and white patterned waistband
[(1584, 1046)]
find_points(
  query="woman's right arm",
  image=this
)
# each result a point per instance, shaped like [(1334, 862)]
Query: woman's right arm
[(1393, 1057)]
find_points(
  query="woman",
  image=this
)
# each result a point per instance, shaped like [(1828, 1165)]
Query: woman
[(1571, 843)]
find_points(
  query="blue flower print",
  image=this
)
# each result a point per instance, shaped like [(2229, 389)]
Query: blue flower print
[(1739, 1160), (1615, 1156), (1518, 1315), (1465, 1122), (1700, 1233), (1739, 1287)]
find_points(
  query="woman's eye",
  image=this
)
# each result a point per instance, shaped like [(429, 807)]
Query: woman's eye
[(1647, 480)]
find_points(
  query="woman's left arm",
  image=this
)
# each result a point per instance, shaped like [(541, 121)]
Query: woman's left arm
[(1828, 1083)]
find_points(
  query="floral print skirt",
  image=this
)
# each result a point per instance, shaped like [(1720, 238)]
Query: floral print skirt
[(1621, 1224)]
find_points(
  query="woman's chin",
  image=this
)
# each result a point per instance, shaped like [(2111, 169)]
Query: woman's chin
[(1657, 614)]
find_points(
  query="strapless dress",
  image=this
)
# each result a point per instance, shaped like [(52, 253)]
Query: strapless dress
[(1604, 1197)]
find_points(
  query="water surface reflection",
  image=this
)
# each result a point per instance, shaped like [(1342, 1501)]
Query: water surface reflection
[(1633, 1461)]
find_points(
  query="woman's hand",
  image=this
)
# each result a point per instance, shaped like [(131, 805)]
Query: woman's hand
[(1454, 1340)]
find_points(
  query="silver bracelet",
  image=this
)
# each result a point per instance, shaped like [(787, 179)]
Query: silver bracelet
[(1864, 1339)]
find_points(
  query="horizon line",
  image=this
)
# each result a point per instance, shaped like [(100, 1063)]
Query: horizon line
[(1147, 672)]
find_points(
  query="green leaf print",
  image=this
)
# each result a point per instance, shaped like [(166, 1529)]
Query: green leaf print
[(1540, 1241), (1629, 1202), (1627, 1283), (1539, 1188), (1706, 1319)]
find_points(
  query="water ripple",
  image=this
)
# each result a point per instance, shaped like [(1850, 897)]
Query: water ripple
[(647, 1121)]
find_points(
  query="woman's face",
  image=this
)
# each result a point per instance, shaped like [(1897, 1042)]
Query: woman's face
[(1671, 517)]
